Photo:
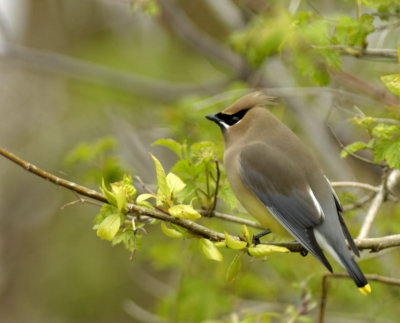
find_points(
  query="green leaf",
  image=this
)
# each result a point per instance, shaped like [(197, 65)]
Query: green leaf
[(246, 233), (385, 131), (183, 166), (210, 251), (226, 194), (205, 151), (388, 150), (364, 121), (184, 211), (233, 269), (163, 190), (120, 196), (175, 184), (109, 227), (353, 32), (353, 147), (108, 194), (392, 82), (105, 211), (171, 144), (220, 244), (232, 243), (128, 187), (142, 200), (262, 250), (171, 232)]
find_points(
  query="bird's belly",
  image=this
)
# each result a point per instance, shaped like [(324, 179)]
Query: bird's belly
[(256, 208)]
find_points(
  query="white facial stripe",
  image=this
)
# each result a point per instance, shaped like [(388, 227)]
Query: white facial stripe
[(226, 126), (315, 201)]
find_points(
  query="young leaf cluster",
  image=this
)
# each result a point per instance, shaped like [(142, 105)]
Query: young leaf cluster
[(204, 178), (210, 250), (112, 223), (307, 40), (384, 141)]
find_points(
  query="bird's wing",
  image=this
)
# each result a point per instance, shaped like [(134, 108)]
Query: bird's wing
[(281, 186), (346, 232)]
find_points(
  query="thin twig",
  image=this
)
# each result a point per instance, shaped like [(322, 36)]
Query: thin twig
[(387, 120), (217, 180), (80, 200), (140, 314), (365, 186), (360, 203), (144, 185), (359, 85), (325, 287), (343, 147), (233, 218), (323, 298), (389, 54), (193, 227), (372, 212)]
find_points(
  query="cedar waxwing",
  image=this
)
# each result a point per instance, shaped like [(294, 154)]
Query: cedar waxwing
[(270, 169)]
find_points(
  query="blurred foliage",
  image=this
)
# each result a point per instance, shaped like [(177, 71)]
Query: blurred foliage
[(306, 40), (96, 161)]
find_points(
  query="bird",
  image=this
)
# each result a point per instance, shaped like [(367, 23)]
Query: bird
[(272, 172)]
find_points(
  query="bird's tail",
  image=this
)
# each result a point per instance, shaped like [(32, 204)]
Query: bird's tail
[(339, 251), (355, 273)]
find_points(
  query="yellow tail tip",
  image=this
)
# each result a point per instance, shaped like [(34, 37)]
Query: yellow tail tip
[(365, 289)]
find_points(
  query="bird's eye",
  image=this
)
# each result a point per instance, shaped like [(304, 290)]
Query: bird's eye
[(231, 119)]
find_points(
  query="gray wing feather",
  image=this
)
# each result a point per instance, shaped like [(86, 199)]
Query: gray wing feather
[(290, 205)]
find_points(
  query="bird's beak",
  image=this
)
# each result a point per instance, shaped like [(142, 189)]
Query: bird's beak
[(212, 117)]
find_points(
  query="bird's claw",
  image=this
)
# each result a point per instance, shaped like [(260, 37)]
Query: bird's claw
[(256, 237)]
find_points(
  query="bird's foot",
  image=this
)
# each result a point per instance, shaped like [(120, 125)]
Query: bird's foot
[(304, 252), (258, 236)]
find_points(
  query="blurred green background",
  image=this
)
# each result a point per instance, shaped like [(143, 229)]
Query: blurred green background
[(78, 71)]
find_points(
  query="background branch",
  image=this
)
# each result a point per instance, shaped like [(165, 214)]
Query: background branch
[(388, 54), (372, 212), (365, 186), (101, 74)]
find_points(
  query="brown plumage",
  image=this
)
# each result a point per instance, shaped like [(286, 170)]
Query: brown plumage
[(272, 172)]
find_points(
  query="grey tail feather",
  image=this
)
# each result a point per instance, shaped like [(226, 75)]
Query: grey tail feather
[(354, 270), (313, 247), (348, 236)]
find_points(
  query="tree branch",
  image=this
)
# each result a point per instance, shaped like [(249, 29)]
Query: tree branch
[(388, 54), (372, 212), (364, 186), (199, 40), (324, 289), (374, 244), (235, 219), (101, 74)]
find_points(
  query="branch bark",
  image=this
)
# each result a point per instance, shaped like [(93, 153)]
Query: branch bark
[(374, 244), (364, 186), (386, 53)]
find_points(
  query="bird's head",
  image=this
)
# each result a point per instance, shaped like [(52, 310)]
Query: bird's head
[(236, 112)]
